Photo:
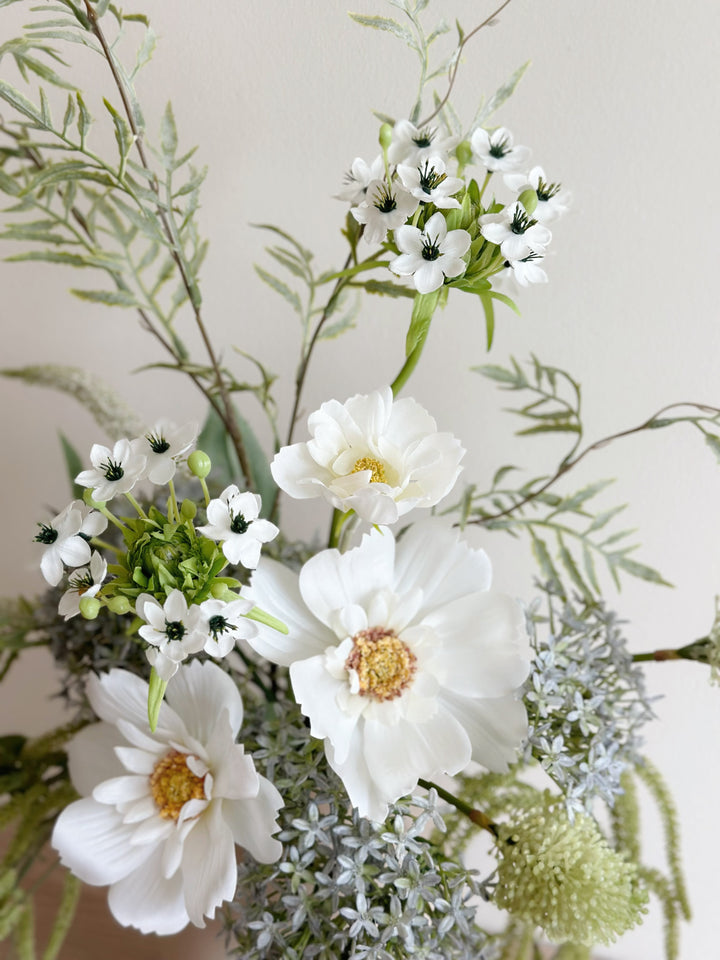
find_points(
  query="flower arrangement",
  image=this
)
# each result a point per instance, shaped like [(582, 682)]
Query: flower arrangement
[(301, 736)]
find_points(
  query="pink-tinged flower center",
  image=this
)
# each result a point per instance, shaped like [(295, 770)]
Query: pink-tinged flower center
[(376, 467), (383, 663), (172, 784)]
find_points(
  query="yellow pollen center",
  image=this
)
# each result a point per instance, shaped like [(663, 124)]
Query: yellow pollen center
[(172, 784), (369, 463), (383, 663)]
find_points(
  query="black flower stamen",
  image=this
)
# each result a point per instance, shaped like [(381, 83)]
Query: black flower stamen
[(239, 524), (500, 149), (546, 191), (521, 221), (47, 534), (429, 179), (430, 249), (217, 625), (175, 630), (113, 470), (385, 200), (424, 138), (158, 444)]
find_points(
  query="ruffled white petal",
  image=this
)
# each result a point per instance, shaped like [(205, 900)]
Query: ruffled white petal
[(209, 868), (199, 694), (149, 902), (253, 821)]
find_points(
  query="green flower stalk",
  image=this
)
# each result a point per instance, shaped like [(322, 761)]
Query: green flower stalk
[(563, 876)]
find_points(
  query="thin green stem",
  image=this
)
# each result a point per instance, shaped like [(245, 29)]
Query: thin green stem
[(206, 492), (172, 505), (479, 818), (486, 181), (407, 368), (131, 499), (104, 545), (336, 526)]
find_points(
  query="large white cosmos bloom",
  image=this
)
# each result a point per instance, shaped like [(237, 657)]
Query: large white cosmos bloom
[(377, 456), (404, 661), (161, 812)]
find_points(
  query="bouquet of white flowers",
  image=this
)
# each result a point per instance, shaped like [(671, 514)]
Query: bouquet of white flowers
[(301, 736)]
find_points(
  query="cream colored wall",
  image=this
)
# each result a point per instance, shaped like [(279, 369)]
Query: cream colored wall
[(621, 104)]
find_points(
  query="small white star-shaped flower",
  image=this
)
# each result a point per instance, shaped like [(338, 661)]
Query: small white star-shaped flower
[(234, 519)]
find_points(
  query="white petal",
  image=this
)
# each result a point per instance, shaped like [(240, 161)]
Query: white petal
[(362, 789), (431, 556), (253, 821), (317, 693), (199, 694), (122, 789), (136, 761), (485, 646), (94, 843), (119, 695), (51, 567), (209, 869), (148, 901), (331, 580), (295, 472), (92, 758), (275, 588), (152, 830), (496, 727), (74, 552)]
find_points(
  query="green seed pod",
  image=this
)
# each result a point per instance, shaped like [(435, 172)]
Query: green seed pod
[(385, 136), (188, 510), (119, 605)]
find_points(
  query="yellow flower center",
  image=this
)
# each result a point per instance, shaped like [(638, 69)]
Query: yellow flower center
[(383, 663), (369, 463), (172, 784)]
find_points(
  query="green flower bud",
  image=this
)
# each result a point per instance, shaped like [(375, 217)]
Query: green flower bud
[(90, 607), (88, 498), (385, 136), (565, 878), (199, 464), (463, 152), (188, 510), (528, 198), (221, 591), (119, 605)]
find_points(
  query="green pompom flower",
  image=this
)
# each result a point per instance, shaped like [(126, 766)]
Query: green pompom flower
[(564, 877)]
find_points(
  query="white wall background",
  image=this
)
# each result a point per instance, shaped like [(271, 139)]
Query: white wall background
[(621, 104)]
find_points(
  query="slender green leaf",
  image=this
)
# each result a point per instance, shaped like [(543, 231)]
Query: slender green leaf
[(111, 298), (499, 97), (423, 309), (73, 464), (387, 25), (156, 692), (282, 288)]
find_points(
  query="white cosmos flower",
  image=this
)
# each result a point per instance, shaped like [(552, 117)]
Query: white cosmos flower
[(404, 662), (377, 456), (384, 208), (233, 518), (496, 151), (161, 812), (162, 445), (428, 182), (413, 145), (113, 471), (430, 255), (357, 179), (225, 624), (552, 201), (85, 582), (66, 539), (174, 630), (515, 232)]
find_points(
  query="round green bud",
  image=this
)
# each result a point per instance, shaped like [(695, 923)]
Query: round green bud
[(463, 151), (90, 607), (200, 464), (90, 500), (528, 198), (119, 605), (188, 510), (221, 591), (385, 136)]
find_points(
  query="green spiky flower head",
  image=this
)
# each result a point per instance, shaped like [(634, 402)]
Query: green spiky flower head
[(564, 877)]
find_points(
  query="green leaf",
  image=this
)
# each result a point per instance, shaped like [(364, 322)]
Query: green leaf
[(542, 555), (385, 288), (74, 465), (489, 311), (20, 103), (499, 374), (423, 309), (261, 617), (568, 562), (641, 570), (714, 443), (576, 501), (111, 298), (499, 97), (168, 137), (84, 119), (282, 288), (387, 25), (156, 692)]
